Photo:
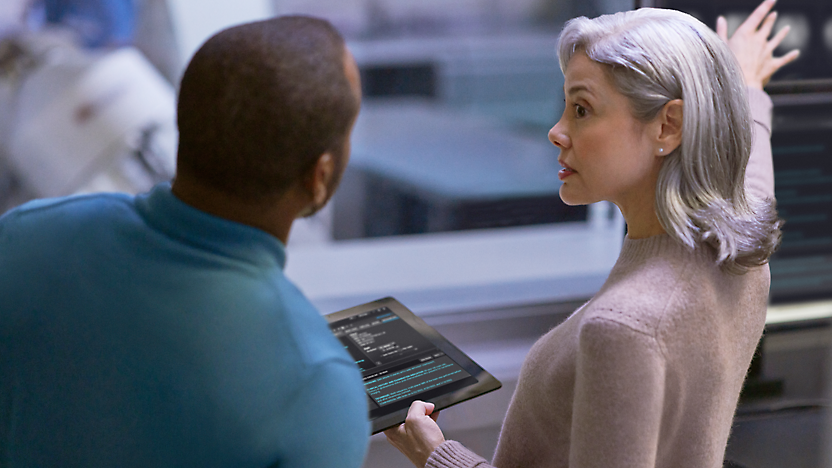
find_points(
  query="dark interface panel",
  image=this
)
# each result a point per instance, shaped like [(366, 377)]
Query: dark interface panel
[(802, 268), (397, 362)]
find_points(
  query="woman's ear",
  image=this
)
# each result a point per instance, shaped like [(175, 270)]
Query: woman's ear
[(670, 119)]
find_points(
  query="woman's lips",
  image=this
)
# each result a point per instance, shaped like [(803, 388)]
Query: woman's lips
[(565, 172)]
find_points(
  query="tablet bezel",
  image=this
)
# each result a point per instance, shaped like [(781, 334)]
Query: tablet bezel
[(485, 381)]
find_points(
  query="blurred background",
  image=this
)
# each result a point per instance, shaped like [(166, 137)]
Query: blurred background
[(459, 96), (452, 136), (86, 97), (450, 201)]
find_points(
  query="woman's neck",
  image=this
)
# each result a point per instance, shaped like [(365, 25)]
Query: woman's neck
[(641, 219)]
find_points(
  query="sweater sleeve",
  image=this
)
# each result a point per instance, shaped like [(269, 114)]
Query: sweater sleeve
[(329, 421), (619, 395), (759, 174), (617, 407), (452, 454)]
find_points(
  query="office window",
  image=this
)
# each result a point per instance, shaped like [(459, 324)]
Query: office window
[(459, 97), (458, 100)]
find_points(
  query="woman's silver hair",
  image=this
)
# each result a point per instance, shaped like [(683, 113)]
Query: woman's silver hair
[(655, 56)]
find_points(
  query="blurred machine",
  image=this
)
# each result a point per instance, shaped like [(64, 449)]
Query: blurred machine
[(513, 77), (452, 136), (418, 167), (802, 146), (79, 121)]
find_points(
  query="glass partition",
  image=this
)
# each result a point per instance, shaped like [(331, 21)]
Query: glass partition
[(458, 100)]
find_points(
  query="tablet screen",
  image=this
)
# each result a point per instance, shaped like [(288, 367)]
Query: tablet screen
[(402, 359)]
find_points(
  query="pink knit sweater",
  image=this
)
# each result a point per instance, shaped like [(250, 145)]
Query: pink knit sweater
[(648, 372)]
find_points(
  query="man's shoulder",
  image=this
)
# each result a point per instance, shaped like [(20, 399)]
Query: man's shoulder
[(304, 325), (68, 208), (51, 226)]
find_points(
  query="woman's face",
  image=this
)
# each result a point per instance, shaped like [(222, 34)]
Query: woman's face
[(605, 152)]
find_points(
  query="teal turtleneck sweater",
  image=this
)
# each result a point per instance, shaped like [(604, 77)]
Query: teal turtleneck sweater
[(139, 331)]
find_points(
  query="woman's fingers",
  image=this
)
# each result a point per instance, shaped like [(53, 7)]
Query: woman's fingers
[(777, 39), (752, 47), (434, 415), (752, 23), (722, 28), (791, 56), (768, 25), (419, 436), (420, 408)]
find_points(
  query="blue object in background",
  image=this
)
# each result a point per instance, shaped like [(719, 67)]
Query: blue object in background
[(98, 23)]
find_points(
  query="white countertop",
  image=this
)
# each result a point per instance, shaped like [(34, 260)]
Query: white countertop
[(459, 271), (447, 273)]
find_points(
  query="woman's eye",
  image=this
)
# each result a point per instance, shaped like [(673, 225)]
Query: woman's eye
[(580, 111)]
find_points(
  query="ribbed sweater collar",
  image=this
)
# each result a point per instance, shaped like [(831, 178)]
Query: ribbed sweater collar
[(162, 210), (637, 251)]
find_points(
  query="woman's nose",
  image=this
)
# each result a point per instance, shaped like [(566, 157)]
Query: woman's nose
[(558, 136)]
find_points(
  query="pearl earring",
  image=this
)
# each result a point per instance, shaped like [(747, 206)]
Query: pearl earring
[(661, 150)]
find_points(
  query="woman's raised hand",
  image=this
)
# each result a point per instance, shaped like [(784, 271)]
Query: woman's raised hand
[(751, 45)]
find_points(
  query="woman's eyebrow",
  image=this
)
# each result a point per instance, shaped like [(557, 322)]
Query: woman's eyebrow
[(577, 88)]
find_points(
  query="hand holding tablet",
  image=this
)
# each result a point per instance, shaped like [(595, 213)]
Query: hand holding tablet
[(402, 359), (419, 436)]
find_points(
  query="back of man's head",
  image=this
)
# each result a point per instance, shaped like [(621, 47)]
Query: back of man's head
[(259, 103)]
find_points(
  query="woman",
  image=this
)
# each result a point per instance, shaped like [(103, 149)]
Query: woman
[(648, 372)]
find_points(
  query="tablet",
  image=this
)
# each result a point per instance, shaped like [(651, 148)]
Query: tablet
[(402, 359)]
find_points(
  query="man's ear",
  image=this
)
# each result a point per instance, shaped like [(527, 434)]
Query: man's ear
[(318, 180), (670, 120)]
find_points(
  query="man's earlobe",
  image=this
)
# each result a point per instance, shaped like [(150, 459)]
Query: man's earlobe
[(319, 178), (316, 184), (324, 172)]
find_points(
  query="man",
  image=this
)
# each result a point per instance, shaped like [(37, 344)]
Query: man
[(159, 330)]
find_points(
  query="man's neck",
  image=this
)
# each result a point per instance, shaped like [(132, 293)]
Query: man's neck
[(275, 217)]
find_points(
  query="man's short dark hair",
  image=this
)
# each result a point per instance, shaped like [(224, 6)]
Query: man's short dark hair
[(260, 102)]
